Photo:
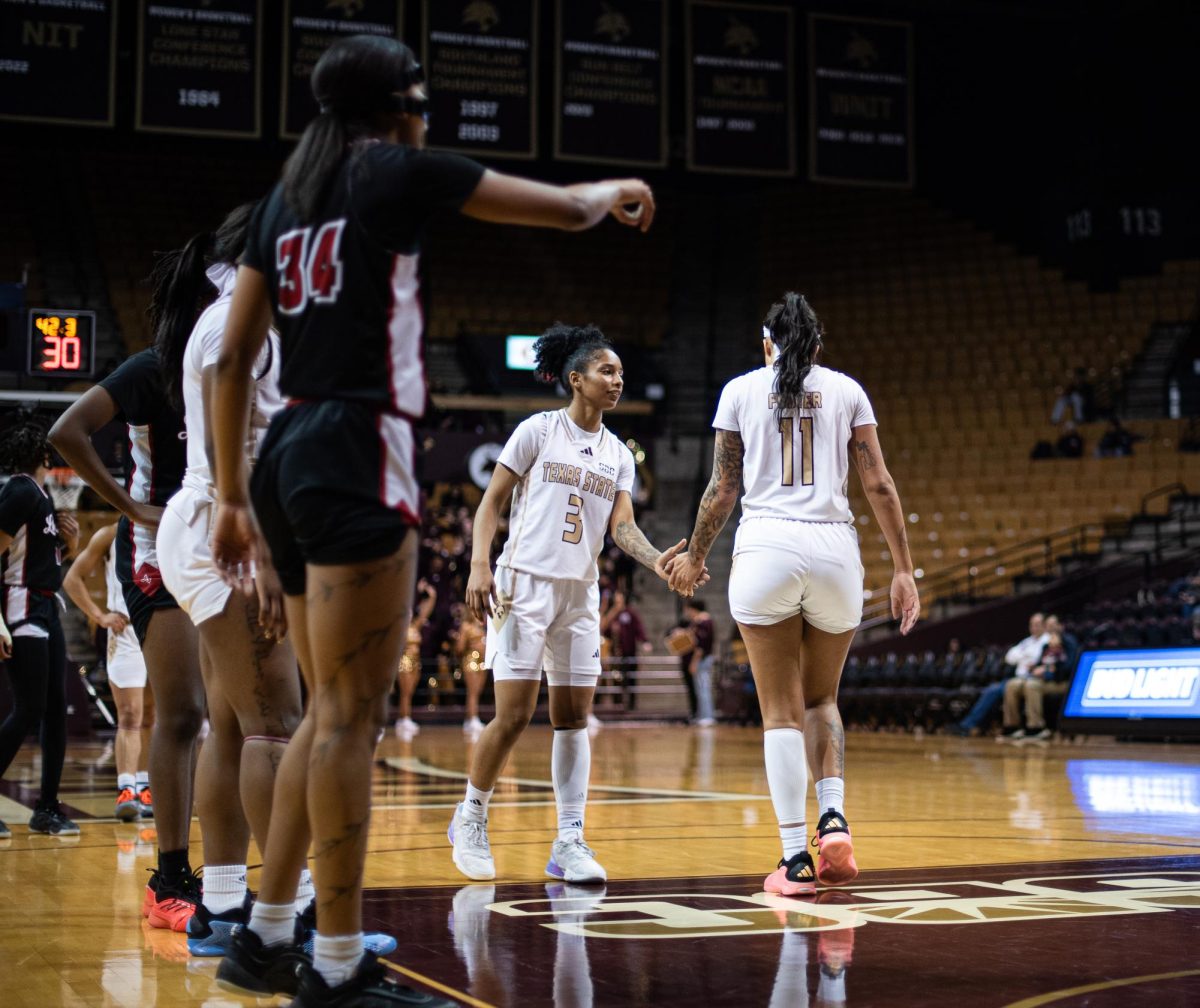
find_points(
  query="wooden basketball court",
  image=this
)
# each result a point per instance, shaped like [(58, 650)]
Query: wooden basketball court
[(993, 875)]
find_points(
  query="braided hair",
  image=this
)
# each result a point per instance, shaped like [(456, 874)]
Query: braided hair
[(23, 447), (181, 291), (564, 348), (796, 331)]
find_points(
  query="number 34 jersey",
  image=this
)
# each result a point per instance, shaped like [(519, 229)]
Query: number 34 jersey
[(570, 479), (797, 467)]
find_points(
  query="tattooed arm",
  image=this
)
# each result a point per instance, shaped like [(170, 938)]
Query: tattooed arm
[(633, 541), (715, 507), (885, 504)]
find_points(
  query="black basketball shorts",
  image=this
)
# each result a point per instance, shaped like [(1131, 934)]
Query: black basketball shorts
[(141, 580)]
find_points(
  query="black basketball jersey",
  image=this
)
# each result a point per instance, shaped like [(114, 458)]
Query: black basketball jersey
[(33, 560), (157, 453), (344, 286)]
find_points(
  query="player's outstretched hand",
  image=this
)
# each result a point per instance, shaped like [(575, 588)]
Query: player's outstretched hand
[(481, 592), (666, 560), (233, 546), (687, 574), (906, 603), (634, 205)]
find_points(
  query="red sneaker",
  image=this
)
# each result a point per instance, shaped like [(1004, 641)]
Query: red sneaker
[(793, 877)]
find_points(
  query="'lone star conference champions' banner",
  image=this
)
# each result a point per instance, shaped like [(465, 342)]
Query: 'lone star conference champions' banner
[(740, 109), (312, 26), (860, 101), (479, 63), (199, 67), (610, 87), (57, 64)]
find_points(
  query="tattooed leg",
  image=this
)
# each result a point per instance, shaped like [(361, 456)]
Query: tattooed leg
[(822, 657), (357, 621)]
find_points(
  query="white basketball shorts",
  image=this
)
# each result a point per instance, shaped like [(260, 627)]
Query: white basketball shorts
[(125, 664), (782, 567), (185, 555), (545, 623)]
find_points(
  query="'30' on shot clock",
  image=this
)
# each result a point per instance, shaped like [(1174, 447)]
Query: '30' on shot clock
[(62, 343)]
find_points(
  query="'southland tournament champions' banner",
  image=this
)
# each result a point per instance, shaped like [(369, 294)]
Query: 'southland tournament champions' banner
[(312, 26), (740, 108), (199, 67), (478, 60), (860, 101), (57, 63), (610, 85)]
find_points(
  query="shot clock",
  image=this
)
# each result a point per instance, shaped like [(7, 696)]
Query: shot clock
[(62, 343)]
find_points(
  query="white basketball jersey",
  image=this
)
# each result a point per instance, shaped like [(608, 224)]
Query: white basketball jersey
[(570, 479), (116, 597), (795, 468), (203, 348)]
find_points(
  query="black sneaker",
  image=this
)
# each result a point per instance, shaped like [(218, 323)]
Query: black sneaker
[(251, 968), (210, 934), (794, 876), (51, 822), (5, 832), (370, 987)]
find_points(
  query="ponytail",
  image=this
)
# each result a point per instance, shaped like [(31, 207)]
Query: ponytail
[(796, 332), (179, 284), (313, 164), (563, 348)]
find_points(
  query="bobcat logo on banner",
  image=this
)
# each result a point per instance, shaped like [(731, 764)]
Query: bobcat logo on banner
[(348, 7), (861, 51), (613, 23), (483, 15), (740, 36)]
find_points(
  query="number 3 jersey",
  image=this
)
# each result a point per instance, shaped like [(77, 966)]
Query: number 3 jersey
[(570, 479), (344, 286), (796, 468)]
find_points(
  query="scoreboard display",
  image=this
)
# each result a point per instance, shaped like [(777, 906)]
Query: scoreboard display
[(62, 343)]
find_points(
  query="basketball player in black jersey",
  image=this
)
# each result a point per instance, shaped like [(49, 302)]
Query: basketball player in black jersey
[(333, 256), (156, 458), (31, 636)]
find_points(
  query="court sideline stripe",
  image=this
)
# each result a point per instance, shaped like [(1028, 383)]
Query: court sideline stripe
[(430, 982), (1045, 999)]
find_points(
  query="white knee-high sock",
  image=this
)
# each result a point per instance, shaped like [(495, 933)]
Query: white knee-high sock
[(787, 778), (570, 766)]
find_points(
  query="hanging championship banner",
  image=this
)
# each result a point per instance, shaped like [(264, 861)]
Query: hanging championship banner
[(611, 82), (740, 100), (860, 101), (312, 26), (58, 61), (199, 68), (478, 57)]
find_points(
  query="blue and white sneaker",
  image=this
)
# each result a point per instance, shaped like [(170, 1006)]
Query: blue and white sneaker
[(209, 935), (574, 861), (306, 927)]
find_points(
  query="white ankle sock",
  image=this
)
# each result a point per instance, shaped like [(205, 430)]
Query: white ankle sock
[(305, 891), (475, 804), (274, 923), (570, 768), (336, 957), (143, 779), (224, 887), (831, 794), (787, 779), (125, 780)]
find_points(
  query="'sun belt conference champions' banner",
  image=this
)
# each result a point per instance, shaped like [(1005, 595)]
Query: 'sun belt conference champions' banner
[(57, 62), (312, 26), (199, 67), (860, 101), (741, 93), (478, 58), (610, 85)]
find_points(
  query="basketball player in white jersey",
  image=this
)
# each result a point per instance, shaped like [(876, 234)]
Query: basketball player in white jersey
[(787, 432), (570, 479), (251, 680), (126, 670)]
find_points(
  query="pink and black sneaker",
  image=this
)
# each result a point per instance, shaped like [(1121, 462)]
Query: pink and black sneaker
[(795, 876), (835, 850)]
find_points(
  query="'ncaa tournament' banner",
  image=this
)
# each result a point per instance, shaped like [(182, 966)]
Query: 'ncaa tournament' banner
[(312, 26), (199, 67), (57, 63), (860, 101), (610, 81), (479, 57), (740, 97)]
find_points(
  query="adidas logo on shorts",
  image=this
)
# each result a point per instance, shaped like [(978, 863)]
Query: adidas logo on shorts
[(596, 654)]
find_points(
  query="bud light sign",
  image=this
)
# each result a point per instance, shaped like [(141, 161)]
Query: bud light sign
[(1126, 686)]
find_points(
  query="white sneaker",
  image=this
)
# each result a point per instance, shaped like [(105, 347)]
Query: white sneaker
[(472, 725), (574, 861), (593, 722), (406, 727), (471, 852), (705, 722)]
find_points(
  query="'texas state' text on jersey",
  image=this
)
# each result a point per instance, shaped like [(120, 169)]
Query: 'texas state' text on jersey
[(31, 567), (570, 479), (344, 286)]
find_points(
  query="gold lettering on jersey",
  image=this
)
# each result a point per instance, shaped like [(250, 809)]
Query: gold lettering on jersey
[(810, 400), (561, 472), (599, 485)]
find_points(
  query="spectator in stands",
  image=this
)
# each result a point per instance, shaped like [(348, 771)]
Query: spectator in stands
[(1117, 441), (1069, 640), (621, 623), (1069, 444), (1022, 656), (1048, 675), (1068, 404), (701, 660)]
